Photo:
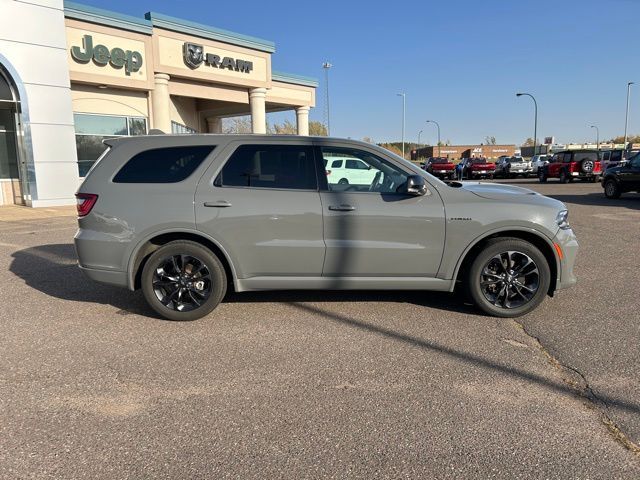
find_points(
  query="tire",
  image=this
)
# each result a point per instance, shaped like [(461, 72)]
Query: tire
[(587, 166), (611, 189), (564, 177), (343, 181), (542, 176), (202, 290), (499, 297)]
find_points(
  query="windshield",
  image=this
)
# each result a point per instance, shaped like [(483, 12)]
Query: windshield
[(475, 161)]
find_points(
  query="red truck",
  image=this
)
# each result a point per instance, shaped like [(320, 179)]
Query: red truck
[(572, 164), (476, 168), (440, 167)]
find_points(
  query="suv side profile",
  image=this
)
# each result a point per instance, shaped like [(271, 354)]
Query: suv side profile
[(623, 178), (570, 165), (345, 171), (186, 217)]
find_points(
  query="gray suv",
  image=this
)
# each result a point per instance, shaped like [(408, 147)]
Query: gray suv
[(186, 217)]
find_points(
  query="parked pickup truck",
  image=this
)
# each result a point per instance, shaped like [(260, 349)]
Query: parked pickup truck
[(440, 167), (477, 168)]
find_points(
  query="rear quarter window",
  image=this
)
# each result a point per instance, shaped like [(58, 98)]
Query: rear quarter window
[(163, 165)]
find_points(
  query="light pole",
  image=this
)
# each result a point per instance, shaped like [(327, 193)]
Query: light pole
[(626, 119), (437, 125), (419, 133), (404, 104), (535, 122), (597, 138), (327, 66)]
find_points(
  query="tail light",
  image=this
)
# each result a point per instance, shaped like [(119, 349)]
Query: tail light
[(597, 167), (85, 202), (573, 167)]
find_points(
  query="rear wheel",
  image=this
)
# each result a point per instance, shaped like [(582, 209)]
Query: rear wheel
[(509, 278), (343, 181), (183, 280), (611, 189)]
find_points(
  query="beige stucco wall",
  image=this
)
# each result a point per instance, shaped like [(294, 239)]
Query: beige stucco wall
[(289, 94), (90, 72), (183, 110), (168, 58), (110, 101)]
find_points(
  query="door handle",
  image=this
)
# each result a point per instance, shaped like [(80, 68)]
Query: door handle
[(219, 204), (342, 208)]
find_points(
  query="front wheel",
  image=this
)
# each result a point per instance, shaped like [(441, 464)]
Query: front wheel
[(542, 176), (564, 176), (509, 278), (183, 280), (611, 189)]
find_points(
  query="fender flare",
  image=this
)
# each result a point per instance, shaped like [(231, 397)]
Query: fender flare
[(134, 253), (490, 233)]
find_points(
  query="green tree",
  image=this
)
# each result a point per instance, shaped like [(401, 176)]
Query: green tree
[(317, 129)]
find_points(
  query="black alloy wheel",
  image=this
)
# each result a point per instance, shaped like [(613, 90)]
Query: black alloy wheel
[(564, 176), (183, 280), (509, 277), (542, 175)]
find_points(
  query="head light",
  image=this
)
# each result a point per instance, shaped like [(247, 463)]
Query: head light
[(562, 219)]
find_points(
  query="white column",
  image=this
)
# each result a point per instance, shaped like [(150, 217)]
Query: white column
[(160, 101), (302, 117), (257, 98), (214, 124)]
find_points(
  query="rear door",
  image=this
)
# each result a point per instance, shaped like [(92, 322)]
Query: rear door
[(260, 201), (372, 231)]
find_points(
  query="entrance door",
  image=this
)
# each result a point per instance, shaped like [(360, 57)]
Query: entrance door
[(10, 187)]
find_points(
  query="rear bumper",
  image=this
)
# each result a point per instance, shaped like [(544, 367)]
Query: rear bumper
[(109, 277), (568, 244)]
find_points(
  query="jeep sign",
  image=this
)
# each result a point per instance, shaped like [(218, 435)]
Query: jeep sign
[(101, 55), (194, 56)]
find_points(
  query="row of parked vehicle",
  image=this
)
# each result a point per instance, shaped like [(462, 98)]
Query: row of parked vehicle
[(616, 174)]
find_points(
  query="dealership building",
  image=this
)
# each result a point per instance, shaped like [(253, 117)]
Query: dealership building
[(454, 152), (73, 75)]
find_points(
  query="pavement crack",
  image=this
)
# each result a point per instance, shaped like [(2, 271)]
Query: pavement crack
[(583, 389)]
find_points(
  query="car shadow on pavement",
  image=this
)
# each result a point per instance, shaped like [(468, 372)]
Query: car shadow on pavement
[(53, 270), (558, 387), (628, 200), (450, 302)]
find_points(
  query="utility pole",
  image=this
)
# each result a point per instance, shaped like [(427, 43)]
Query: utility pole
[(597, 138), (404, 104), (626, 120), (437, 125), (327, 112)]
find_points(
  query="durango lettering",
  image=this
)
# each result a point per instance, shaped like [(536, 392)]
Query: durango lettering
[(101, 55)]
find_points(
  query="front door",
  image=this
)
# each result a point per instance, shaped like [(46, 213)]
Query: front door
[(263, 207), (372, 231), (10, 185)]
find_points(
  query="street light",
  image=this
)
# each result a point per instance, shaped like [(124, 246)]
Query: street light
[(419, 133), (327, 66), (437, 125), (404, 101), (535, 122), (626, 119), (597, 138)]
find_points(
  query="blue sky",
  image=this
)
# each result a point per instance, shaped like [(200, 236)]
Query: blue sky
[(460, 62)]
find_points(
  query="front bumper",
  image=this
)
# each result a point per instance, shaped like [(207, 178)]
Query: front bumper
[(568, 243)]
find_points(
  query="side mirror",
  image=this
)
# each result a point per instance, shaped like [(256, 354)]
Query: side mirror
[(415, 185)]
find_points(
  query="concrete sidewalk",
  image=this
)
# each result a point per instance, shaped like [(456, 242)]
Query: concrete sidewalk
[(14, 213)]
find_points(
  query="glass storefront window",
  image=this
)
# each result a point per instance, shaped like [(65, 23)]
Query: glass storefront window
[(91, 130)]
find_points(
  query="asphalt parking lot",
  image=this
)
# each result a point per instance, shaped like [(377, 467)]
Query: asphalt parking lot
[(321, 384)]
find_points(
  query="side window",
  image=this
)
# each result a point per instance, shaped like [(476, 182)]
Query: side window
[(270, 166), (567, 158), (371, 173), (634, 162), (336, 164), (163, 165), (616, 155)]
